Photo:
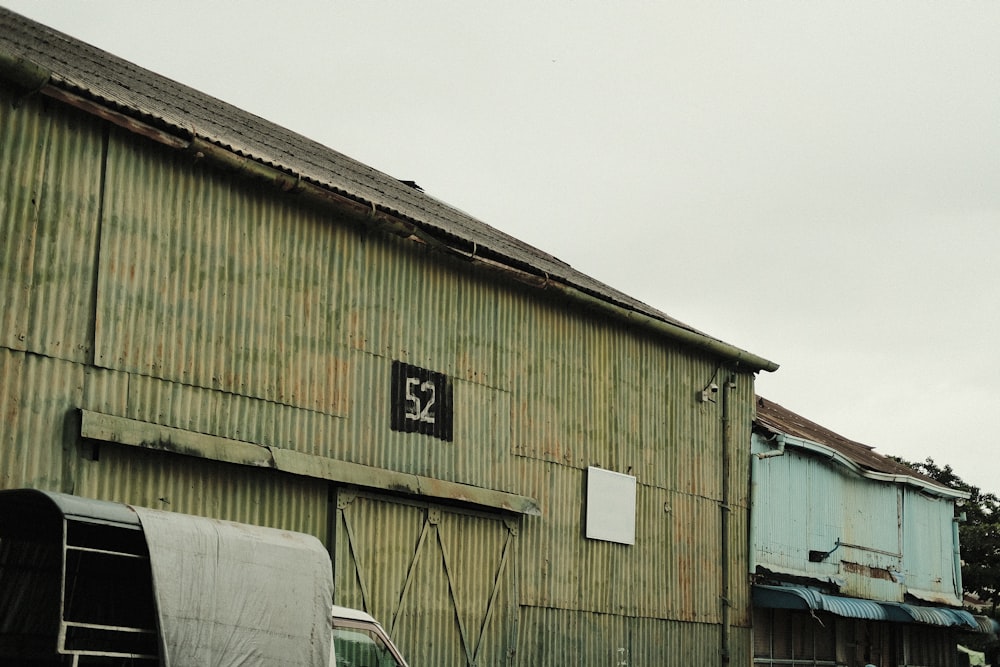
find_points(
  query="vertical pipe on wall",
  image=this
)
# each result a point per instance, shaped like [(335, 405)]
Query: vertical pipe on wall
[(958, 557), (727, 387)]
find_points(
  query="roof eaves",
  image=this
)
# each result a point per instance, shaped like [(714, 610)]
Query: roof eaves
[(833, 454)]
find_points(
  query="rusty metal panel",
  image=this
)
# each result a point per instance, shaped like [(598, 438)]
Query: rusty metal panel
[(481, 455), (208, 282), (740, 608), (50, 177), (105, 391), (369, 440), (676, 567)]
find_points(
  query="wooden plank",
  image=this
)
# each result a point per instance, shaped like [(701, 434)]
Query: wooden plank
[(109, 428)]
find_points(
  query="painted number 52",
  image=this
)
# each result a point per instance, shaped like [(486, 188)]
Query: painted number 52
[(420, 398)]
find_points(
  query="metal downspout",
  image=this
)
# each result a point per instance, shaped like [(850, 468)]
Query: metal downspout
[(958, 559), (780, 451), (727, 387)]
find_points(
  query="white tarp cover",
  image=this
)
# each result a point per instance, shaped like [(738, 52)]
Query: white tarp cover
[(234, 595)]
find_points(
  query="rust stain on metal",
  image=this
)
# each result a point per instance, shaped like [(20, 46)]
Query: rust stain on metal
[(867, 571)]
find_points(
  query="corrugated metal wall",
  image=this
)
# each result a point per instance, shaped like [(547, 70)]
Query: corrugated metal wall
[(895, 539), (50, 177), (181, 296), (619, 640), (206, 283), (929, 545)]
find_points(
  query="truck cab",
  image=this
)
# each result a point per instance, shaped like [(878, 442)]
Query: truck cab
[(360, 641)]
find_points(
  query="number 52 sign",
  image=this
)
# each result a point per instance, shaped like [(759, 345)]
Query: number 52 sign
[(421, 401)]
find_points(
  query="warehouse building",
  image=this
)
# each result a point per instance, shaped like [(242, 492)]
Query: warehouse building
[(510, 462)]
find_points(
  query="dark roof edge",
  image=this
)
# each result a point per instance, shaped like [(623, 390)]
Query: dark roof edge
[(33, 78)]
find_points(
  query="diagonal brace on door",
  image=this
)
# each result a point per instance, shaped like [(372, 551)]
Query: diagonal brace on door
[(493, 595), (358, 568), (411, 570), (472, 652)]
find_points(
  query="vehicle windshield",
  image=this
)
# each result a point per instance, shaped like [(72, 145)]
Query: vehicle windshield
[(360, 647)]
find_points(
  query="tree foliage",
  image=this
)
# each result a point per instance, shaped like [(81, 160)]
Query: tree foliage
[(978, 534)]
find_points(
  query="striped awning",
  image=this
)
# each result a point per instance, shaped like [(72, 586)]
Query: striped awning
[(802, 597)]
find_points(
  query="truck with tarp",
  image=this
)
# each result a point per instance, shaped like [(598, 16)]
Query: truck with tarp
[(87, 583)]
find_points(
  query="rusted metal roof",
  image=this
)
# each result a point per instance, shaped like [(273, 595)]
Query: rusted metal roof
[(776, 419), (181, 111)]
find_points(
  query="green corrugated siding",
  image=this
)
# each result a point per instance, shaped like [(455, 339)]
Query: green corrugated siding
[(41, 449), (554, 637), (673, 571), (594, 394), (228, 415), (206, 488), (206, 283), (38, 397), (50, 170), (441, 584)]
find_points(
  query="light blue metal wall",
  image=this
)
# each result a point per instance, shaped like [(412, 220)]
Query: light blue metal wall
[(901, 538)]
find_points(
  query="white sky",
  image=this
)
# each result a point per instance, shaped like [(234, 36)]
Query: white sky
[(815, 182)]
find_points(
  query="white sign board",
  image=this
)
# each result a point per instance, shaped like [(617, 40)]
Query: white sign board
[(610, 506)]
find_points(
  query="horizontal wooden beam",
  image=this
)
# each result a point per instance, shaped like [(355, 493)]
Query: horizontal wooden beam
[(123, 431)]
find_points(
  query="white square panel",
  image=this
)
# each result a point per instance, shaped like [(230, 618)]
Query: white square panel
[(610, 506)]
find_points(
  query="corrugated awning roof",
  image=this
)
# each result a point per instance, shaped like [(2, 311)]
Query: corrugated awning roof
[(180, 110), (804, 598), (941, 616), (801, 597)]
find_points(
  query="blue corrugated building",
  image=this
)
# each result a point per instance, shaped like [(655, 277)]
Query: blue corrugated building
[(854, 557)]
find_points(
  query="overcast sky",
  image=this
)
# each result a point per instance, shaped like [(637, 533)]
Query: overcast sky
[(815, 182)]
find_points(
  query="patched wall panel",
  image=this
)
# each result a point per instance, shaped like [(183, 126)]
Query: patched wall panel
[(50, 177), (208, 282)]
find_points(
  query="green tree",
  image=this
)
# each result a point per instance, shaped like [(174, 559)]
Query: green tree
[(978, 534)]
